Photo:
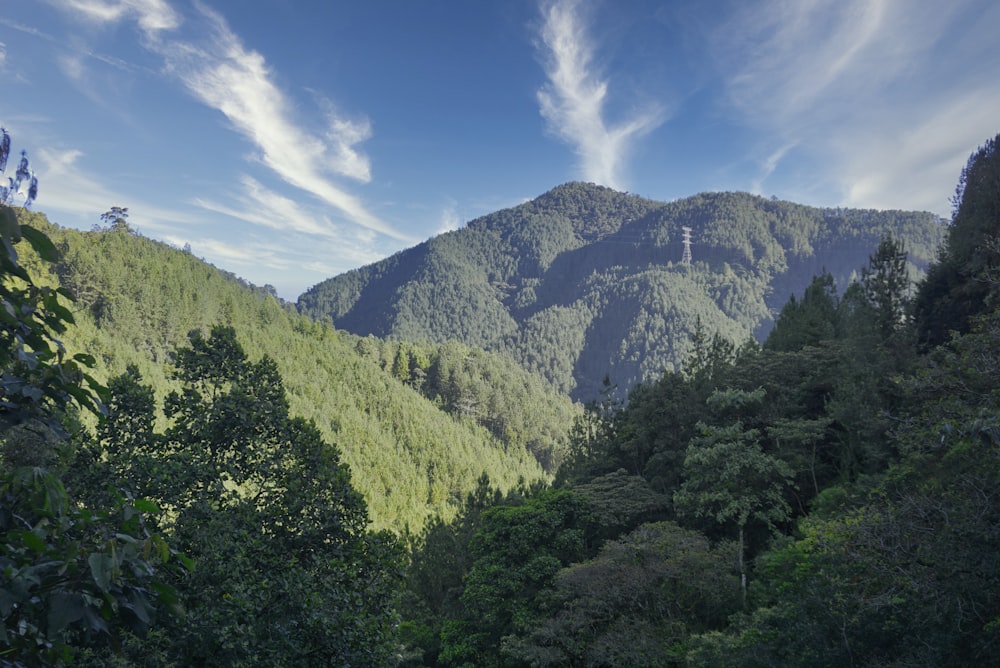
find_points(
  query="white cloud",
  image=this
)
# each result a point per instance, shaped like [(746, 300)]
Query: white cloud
[(572, 102), (224, 75), (3, 55), (881, 94), (785, 56), (450, 220), (290, 266), (73, 69), (916, 165), (65, 186), (151, 15), (768, 165), (262, 206), (249, 254)]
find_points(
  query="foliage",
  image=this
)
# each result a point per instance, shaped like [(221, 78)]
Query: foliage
[(854, 490), (635, 604), (584, 281), (516, 552), (728, 477), (37, 372), (961, 284), (74, 577), (486, 388), (910, 576), (440, 559), (138, 299), (284, 570), (826, 498), (809, 321), (70, 575), (886, 287)]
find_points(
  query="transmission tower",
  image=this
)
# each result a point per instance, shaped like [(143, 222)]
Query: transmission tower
[(687, 246)]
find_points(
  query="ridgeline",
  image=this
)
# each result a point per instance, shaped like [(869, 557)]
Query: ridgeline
[(585, 282)]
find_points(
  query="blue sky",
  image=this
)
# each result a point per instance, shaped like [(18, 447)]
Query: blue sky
[(290, 140)]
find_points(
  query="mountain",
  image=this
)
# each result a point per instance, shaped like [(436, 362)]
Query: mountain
[(412, 459), (585, 282)]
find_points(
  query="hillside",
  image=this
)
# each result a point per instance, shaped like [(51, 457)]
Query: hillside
[(584, 281), (138, 299)]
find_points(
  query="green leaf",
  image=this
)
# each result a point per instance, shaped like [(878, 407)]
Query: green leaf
[(67, 293), (101, 569), (9, 227), (140, 605), (188, 562), (41, 243), (85, 359), (61, 312), (32, 541), (146, 506), (7, 602), (12, 261), (156, 542), (64, 609)]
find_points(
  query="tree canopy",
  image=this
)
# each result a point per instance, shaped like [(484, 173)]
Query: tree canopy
[(584, 281)]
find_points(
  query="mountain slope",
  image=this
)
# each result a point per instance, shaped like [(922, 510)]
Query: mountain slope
[(585, 281), (138, 299)]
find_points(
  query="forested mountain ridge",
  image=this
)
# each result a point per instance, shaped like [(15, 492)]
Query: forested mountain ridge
[(827, 498), (138, 299), (584, 281)]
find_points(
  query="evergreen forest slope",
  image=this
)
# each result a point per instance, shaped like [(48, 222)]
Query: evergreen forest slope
[(416, 440), (584, 282), (827, 498)]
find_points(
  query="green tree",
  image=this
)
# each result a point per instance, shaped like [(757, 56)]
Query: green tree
[(961, 284), (807, 322), (401, 364), (516, 552), (285, 572), (635, 604), (729, 479), (71, 576), (886, 284), (591, 438), (116, 220), (440, 559)]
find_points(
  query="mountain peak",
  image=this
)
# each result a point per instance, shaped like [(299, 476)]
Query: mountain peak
[(584, 281)]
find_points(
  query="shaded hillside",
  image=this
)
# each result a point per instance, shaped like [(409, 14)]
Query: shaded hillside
[(584, 281), (138, 299)]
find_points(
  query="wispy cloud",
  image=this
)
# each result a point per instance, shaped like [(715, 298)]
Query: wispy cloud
[(450, 220), (152, 16), (72, 68), (66, 187), (916, 165), (248, 254), (768, 165), (290, 266), (263, 206), (222, 73), (869, 88), (784, 56), (573, 100)]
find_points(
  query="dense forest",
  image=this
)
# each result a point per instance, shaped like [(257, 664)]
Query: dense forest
[(584, 282), (828, 498), (416, 439), (193, 473)]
